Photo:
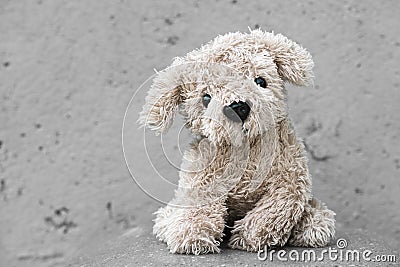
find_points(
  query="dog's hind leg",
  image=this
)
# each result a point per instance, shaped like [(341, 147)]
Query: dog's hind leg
[(315, 228)]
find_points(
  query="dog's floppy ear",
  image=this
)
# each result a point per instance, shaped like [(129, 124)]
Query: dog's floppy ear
[(294, 63), (162, 102)]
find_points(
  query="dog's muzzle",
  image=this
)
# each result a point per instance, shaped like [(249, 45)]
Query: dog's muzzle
[(237, 111)]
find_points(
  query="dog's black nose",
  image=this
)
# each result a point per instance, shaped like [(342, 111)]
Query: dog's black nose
[(237, 111)]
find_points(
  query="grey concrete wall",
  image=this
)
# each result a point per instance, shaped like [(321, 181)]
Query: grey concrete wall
[(69, 68)]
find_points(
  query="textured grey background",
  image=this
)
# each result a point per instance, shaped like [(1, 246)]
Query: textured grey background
[(69, 68)]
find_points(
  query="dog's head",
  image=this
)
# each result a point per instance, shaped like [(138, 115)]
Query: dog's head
[(231, 88)]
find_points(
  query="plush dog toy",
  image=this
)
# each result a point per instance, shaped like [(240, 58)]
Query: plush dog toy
[(246, 171)]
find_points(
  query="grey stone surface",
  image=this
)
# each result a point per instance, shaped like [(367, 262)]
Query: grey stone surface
[(68, 70), (139, 248)]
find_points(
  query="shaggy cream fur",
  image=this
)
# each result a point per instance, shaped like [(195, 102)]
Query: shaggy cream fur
[(250, 176)]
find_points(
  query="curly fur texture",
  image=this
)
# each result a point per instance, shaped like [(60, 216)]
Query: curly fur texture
[(252, 176)]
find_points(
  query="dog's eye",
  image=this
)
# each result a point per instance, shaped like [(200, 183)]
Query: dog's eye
[(206, 100), (260, 81)]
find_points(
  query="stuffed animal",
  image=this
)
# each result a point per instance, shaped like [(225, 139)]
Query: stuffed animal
[(245, 174)]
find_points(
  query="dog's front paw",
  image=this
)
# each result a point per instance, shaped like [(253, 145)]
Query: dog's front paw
[(162, 221), (251, 237), (190, 231), (199, 244), (241, 240), (193, 237)]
